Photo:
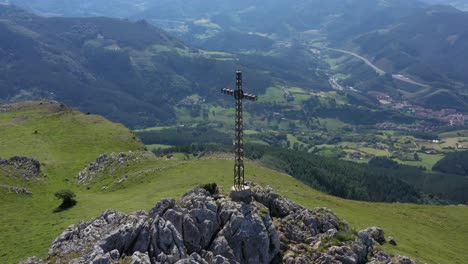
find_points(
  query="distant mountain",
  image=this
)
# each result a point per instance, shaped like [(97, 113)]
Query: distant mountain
[(430, 44), (85, 62), (284, 18), (267, 16), (411, 38), (113, 8), (131, 72), (460, 4)]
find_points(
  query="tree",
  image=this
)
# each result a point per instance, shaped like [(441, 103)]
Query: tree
[(67, 197)]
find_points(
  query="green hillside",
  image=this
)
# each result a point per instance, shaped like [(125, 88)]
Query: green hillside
[(67, 141), (64, 141), (437, 57), (129, 72), (138, 64)]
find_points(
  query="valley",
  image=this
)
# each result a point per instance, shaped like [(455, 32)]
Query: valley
[(379, 71), (31, 224), (362, 107), (327, 102)]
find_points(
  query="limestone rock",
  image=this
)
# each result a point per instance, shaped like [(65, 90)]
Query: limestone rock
[(361, 250), (21, 167), (204, 228), (32, 260), (403, 260), (17, 190), (247, 236), (375, 233), (337, 254), (161, 207), (278, 205), (140, 258), (380, 257), (109, 163)]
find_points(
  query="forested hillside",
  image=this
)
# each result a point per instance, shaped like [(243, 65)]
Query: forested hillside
[(430, 44), (455, 163), (130, 72), (382, 180)]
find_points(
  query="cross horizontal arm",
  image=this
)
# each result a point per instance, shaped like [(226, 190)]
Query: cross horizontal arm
[(251, 97), (228, 91)]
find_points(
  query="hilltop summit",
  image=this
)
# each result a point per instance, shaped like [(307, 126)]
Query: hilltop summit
[(204, 227)]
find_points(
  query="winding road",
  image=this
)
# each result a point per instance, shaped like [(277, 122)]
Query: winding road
[(380, 71)]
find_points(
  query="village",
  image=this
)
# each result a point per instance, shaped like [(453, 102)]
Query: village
[(450, 116)]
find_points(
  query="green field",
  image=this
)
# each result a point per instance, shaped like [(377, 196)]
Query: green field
[(158, 146), (67, 141), (331, 123), (426, 160)]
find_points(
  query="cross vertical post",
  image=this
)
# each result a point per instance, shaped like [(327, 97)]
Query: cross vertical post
[(239, 130)]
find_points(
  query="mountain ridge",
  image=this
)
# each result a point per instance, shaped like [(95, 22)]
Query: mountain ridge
[(131, 72)]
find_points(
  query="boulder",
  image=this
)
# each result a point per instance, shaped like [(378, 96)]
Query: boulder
[(32, 260), (140, 258), (16, 190), (279, 206), (375, 233), (161, 207), (403, 260), (247, 235), (380, 257)]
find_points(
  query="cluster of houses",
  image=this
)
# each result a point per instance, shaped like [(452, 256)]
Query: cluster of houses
[(450, 116), (394, 126), (383, 98)]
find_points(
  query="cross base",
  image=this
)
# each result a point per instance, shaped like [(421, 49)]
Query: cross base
[(244, 195)]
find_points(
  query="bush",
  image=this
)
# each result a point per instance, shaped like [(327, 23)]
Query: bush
[(212, 188), (68, 200)]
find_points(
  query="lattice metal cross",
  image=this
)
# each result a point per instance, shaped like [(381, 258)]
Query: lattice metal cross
[(239, 95)]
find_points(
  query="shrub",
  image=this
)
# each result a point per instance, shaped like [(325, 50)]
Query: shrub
[(211, 188), (68, 200)]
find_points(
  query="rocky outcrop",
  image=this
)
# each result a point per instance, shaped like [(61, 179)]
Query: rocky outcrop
[(108, 163), (381, 257), (4, 109), (211, 228), (392, 241), (377, 234), (21, 167), (16, 190)]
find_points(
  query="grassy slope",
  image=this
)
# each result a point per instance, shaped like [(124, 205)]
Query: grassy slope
[(66, 141), (429, 233)]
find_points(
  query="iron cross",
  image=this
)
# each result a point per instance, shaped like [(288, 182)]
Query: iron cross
[(239, 95)]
